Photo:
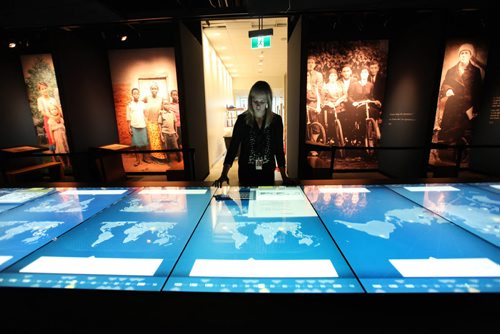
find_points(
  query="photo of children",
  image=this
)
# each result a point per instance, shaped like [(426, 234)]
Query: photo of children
[(47, 113), (142, 81)]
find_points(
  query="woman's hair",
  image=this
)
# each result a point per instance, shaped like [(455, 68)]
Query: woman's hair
[(42, 84), (260, 87), (331, 71), (55, 107)]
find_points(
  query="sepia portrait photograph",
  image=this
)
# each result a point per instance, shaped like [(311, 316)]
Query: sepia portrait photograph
[(345, 101)]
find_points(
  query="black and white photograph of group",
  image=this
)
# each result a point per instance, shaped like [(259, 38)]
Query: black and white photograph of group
[(345, 100)]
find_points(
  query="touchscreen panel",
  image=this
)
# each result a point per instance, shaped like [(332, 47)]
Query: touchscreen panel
[(395, 245), (133, 245), (260, 240), (38, 222), (13, 197), (472, 208), (489, 186)]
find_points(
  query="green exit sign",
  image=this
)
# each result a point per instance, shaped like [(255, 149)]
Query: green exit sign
[(261, 42)]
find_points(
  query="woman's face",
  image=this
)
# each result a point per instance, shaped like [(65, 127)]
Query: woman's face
[(311, 64), (259, 104), (44, 90), (154, 90), (333, 77), (363, 74)]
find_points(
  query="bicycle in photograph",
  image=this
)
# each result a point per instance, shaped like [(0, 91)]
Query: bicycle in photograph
[(316, 132), (338, 134), (372, 130)]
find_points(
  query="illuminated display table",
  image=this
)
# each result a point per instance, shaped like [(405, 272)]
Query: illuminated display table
[(132, 244), (13, 197), (307, 250), (262, 240), (398, 243), (315, 239), (43, 220)]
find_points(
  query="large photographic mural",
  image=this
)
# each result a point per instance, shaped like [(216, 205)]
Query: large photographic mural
[(43, 95), (345, 101), (458, 100), (147, 107)]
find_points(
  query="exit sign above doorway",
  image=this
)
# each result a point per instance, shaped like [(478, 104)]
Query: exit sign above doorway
[(260, 42)]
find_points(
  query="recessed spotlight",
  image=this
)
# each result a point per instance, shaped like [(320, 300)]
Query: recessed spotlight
[(123, 38)]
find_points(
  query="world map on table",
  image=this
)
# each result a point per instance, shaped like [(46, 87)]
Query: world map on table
[(480, 213), (163, 205), (392, 220), (158, 233), (30, 232), (56, 205), (21, 196), (269, 233)]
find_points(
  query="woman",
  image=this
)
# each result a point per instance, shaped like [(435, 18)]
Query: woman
[(334, 99), (259, 131), (152, 106)]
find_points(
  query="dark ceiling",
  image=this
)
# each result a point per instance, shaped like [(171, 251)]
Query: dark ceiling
[(59, 13)]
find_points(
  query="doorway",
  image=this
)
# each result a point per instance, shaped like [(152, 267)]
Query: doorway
[(231, 67)]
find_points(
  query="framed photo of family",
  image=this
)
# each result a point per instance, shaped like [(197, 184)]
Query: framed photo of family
[(45, 104), (147, 108)]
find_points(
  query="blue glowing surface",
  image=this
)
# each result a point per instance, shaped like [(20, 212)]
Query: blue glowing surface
[(258, 240), (132, 245), (394, 244)]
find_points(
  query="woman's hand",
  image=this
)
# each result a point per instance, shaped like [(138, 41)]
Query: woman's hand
[(218, 183)]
